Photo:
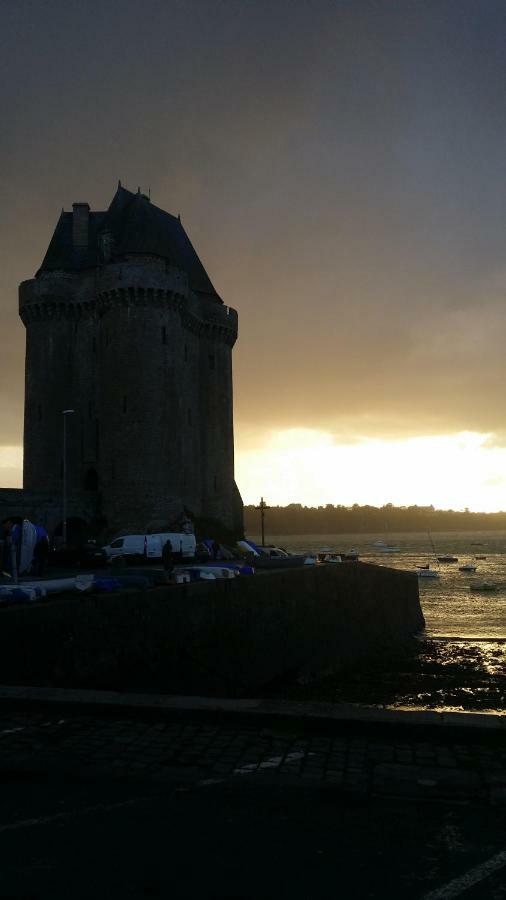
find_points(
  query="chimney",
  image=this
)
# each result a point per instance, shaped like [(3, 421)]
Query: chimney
[(80, 222)]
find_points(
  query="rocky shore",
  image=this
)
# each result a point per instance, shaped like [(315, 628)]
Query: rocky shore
[(444, 674)]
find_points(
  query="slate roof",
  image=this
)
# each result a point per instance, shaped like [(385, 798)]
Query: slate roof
[(137, 226)]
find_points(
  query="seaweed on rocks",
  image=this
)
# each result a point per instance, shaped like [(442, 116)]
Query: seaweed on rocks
[(443, 674)]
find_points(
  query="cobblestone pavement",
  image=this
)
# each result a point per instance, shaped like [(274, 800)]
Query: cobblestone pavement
[(375, 763)]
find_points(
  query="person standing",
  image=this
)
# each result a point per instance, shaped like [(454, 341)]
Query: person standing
[(168, 558), (12, 541), (40, 551), (216, 550)]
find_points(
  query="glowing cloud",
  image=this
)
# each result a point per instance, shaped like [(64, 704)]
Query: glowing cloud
[(11, 466), (305, 466)]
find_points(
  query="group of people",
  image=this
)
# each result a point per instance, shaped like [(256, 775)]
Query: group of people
[(24, 546)]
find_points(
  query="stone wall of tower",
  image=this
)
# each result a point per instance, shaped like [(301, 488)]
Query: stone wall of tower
[(146, 366), (188, 410), (216, 421), (144, 393), (59, 374)]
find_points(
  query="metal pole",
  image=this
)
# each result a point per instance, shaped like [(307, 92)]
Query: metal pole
[(64, 524), (262, 507), (65, 413)]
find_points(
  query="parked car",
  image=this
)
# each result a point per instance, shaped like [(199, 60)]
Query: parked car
[(143, 547)]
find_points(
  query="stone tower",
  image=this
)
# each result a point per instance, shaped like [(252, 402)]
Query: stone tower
[(124, 327)]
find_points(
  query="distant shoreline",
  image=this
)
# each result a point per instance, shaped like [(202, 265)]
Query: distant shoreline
[(254, 530), (296, 519)]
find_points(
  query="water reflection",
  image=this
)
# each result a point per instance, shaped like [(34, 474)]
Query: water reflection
[(450, 608), (455, 676), (461, 664), (443, 675)]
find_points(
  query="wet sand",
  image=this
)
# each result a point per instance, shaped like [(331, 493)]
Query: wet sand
[(455, 674)]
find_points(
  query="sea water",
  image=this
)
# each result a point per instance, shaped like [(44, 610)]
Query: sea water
[(450, 608), (465, 631)]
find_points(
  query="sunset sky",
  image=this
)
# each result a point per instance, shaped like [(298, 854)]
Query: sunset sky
[(341, 170)]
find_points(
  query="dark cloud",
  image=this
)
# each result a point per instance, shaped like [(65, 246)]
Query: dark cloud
[(338, 165)]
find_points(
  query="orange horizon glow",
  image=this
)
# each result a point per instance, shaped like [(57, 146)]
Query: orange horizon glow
[(456, 471), (311, 467)]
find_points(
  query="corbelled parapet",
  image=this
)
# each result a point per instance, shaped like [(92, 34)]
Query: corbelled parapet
[(63, 296), (59, 295)]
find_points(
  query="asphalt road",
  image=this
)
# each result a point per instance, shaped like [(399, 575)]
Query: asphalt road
[(109, 838)]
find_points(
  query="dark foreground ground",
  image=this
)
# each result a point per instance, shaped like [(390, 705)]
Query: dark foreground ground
[(212, 806), (112, 840)]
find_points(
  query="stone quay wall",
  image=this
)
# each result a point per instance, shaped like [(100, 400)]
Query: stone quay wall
[(228, 638)]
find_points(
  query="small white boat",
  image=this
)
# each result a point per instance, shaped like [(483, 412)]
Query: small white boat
[(350, 554), (207, 573), (84, 582), (40, 587), (324, 556), (467, 568), (385, 546), (195, 573), (19, 592), (248, 547), (427, 573)]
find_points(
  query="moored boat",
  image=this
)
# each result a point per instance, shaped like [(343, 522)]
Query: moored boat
[(350, 554), (425, 572), (448, 558), (328, 556), (483, 586), (467, 568)]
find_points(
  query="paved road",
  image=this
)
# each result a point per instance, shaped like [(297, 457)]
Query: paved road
[(184, 807), (64, 839), (365, 762)]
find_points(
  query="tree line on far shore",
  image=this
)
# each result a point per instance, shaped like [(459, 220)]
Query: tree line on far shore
[(298, 519)]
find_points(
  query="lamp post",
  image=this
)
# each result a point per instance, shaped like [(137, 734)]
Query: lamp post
[(65, 413), (262, 507)]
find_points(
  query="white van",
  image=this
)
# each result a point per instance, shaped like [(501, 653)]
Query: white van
[(183, 545), (151, 545)]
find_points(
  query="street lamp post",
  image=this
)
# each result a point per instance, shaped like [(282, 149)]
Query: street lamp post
[(65, 413), (262, 507)]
